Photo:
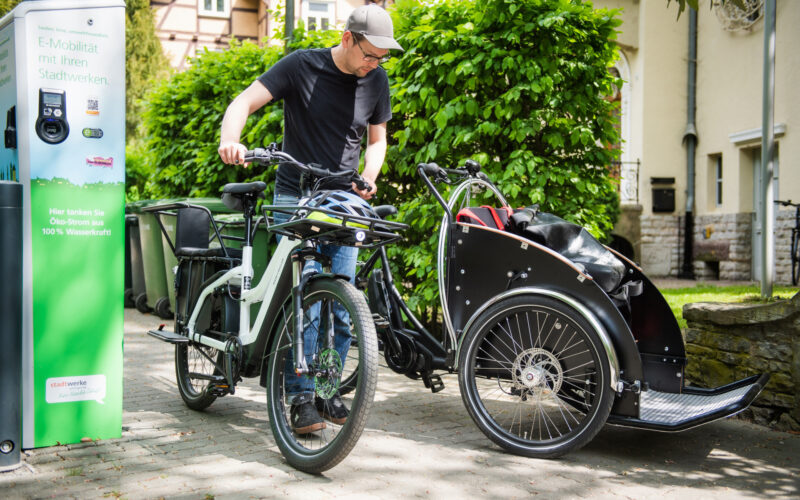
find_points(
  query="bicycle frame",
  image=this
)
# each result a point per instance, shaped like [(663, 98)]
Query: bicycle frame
[(264, 293)]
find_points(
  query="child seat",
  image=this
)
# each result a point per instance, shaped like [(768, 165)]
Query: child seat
[(191, 235)]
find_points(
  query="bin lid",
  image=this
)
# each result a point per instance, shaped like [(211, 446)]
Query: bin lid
[(214, 204)]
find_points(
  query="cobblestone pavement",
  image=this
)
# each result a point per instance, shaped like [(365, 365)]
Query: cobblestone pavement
[(417, 444)]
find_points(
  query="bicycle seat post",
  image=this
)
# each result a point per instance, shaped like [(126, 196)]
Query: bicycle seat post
[(247, 246)]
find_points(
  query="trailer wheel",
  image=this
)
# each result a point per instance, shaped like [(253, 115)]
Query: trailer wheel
[(534, 376)]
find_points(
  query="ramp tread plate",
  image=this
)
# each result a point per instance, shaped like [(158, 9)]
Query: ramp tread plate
[(671, 408)]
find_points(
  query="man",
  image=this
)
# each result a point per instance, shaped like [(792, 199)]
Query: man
[(331, 98)]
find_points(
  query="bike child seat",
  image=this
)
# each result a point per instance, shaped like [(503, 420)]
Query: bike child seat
[(191, 235)]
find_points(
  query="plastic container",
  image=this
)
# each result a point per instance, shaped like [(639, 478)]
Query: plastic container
[(156, 296)]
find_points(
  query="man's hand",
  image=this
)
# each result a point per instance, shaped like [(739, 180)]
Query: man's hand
[(232, 153), (366, 194)]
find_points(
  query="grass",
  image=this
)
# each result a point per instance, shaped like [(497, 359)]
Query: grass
[(677, 297)]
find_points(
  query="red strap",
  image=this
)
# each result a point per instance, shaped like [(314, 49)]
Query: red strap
[(469, 213), (498, 222)]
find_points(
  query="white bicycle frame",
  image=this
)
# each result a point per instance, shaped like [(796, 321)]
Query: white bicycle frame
[(264, 292)]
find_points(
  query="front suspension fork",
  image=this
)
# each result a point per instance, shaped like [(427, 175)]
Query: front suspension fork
[(300, 281)]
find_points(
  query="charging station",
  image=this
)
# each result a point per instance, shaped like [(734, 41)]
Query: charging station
[(62, 94)]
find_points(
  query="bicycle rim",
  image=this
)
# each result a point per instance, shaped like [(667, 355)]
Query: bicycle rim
[(322, 449)]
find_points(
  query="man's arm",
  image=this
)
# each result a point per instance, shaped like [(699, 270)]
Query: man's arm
[(250, 100), (373, 158)]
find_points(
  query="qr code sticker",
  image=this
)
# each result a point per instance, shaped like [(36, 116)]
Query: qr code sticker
[(92, 106)]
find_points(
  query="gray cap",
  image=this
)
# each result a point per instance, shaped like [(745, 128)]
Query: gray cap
[(375, 24)]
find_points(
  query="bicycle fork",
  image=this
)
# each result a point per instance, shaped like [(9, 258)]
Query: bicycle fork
[(300, 281)]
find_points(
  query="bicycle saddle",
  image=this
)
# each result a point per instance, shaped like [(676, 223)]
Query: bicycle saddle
[(233, 194), (244, 188), (384, 211)]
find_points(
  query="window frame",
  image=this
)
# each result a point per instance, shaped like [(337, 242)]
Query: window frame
[(224, 14)]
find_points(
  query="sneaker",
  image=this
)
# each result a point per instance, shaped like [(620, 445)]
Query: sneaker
[(305, 418), (332, 409)]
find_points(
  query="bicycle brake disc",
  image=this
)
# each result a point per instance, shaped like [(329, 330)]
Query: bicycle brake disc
[(329, 374)]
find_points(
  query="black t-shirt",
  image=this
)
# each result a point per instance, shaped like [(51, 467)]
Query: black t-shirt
[(325, 112)]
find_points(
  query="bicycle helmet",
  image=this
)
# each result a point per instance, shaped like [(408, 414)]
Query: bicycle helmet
[(343, 202)]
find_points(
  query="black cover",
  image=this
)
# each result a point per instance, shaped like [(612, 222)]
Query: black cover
[(573, 242)]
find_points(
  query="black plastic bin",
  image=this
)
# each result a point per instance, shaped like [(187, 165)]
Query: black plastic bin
[(10, 324)]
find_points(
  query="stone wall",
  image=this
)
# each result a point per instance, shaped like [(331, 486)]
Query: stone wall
[(731, 232), (662, 244), (727, 342), (722, 245)]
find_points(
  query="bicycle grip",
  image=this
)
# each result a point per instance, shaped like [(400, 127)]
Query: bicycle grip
[(431, 169), (257, 154)]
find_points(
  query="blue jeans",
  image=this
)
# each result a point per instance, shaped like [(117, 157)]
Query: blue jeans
[(300, 388)]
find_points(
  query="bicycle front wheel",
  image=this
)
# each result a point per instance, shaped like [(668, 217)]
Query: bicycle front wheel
[(317, 451), (534, 377)]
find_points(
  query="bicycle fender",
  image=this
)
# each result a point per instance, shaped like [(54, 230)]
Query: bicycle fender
[(605, 338)]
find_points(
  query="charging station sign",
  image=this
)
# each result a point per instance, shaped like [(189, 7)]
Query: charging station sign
[(70, 116)]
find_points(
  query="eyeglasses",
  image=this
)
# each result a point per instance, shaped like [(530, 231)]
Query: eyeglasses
[(368, 57)]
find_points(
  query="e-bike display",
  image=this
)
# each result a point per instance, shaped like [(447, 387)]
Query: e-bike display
[(551, 334), (218, 342)]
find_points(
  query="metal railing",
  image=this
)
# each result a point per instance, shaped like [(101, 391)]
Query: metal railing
[(627, 172)]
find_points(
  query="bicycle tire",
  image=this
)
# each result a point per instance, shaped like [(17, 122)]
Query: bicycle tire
[(319, 451), (193, 369), (795, 256), (350, 373), (534, 377), (189, 363)]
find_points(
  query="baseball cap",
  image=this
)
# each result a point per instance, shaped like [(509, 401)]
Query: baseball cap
[(375, 24)]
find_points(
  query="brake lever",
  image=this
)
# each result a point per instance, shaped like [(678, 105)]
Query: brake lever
[(360, 183)]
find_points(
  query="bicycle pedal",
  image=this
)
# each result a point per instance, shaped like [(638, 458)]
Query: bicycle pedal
[(220, 389), (380, 321), (433, 382)]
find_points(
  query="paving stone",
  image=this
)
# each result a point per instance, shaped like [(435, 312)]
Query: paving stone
[(417, 445)]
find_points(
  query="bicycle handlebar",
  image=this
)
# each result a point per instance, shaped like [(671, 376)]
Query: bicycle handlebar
[(434, 172), (787, 203), (271, 154), (431, 172)]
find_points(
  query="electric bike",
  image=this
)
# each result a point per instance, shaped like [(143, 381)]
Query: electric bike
[(226, 328)]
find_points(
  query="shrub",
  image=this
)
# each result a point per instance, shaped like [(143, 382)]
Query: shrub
[(518, 86)]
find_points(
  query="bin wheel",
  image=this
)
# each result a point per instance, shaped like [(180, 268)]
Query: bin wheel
[(141, 303), (130, 302), (162, 308)]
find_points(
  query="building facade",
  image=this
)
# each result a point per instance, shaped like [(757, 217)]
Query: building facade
[(187, 27), (655, 183)]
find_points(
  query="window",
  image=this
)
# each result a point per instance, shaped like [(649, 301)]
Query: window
[(318, 15), (718, 179), (214, 8)]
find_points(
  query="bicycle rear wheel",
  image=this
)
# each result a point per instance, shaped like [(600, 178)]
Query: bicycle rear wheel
[(318, 451), (194, 371)]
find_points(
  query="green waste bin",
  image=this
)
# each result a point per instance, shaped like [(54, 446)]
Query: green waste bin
[(233, 225), (156, 297), (168, 220), (134, 272)]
